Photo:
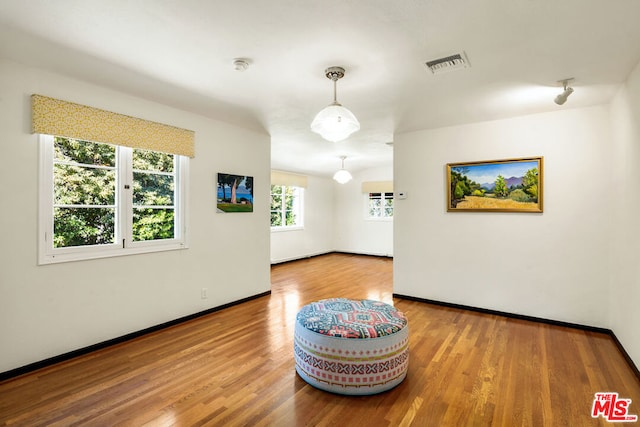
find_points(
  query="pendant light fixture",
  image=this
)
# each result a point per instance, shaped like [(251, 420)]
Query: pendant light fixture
[(342, 176), (335, 123)]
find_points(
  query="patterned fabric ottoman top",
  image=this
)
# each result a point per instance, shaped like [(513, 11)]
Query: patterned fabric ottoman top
[(345, 318)]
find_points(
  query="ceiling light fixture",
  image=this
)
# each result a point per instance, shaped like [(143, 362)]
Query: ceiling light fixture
[(342, 176), (562, 98), (335, 122)]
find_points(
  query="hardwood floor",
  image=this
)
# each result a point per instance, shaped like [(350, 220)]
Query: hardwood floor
[(235, 367)]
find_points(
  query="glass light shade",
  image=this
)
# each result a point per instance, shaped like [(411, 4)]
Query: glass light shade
[(342, 176), (335, 123)]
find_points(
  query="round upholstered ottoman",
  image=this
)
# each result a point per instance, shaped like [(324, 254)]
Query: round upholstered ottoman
[(351, 347)]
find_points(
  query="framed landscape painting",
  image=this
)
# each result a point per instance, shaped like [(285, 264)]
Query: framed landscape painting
[(234, 193), (513, 185)]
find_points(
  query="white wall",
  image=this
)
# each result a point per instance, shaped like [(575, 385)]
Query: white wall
[(352, 231), (553, 265), (575, 262), (316, 236), (625, 278), (52, 309)]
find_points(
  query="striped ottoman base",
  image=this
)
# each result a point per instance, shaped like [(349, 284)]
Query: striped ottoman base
[(351, 347)]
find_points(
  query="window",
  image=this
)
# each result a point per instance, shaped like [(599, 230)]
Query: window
[(286, 207), (379, 205), (100, 200)]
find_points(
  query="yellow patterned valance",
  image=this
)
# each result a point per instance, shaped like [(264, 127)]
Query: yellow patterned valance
[(377, 187), (61, 118), (287, 178)]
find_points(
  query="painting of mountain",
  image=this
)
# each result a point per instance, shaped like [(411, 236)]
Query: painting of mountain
[(499, 185)]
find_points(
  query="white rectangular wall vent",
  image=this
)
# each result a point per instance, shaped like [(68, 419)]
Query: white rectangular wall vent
[(448, 63)]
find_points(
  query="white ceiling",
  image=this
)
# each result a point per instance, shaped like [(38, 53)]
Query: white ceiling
[(180, 53)]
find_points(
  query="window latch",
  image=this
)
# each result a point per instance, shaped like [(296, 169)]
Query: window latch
[(126, 186)]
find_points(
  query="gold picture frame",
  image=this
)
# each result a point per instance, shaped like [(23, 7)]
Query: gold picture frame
[(511, 185)]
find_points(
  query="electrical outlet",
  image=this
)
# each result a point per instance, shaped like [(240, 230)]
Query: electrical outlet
[(203, 293)]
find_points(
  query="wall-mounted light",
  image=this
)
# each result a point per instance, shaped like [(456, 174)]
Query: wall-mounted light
[(568, 90), (342, 176)]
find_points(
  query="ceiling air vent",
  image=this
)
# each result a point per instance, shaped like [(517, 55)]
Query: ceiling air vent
[(449, 63)]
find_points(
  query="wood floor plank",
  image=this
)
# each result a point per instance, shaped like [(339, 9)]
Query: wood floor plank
[(235, 367)]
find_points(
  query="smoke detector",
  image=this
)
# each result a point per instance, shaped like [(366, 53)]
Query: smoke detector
[(240, 64), (449, 63)]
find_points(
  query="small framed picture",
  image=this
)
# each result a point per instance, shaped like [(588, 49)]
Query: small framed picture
[(234, 193)]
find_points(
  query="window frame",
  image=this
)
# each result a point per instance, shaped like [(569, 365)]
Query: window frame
[(124, 244), (367, 202), (300, 211)]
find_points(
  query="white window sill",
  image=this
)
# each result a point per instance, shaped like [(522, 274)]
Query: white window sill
[(291, 228), (82, 254)]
